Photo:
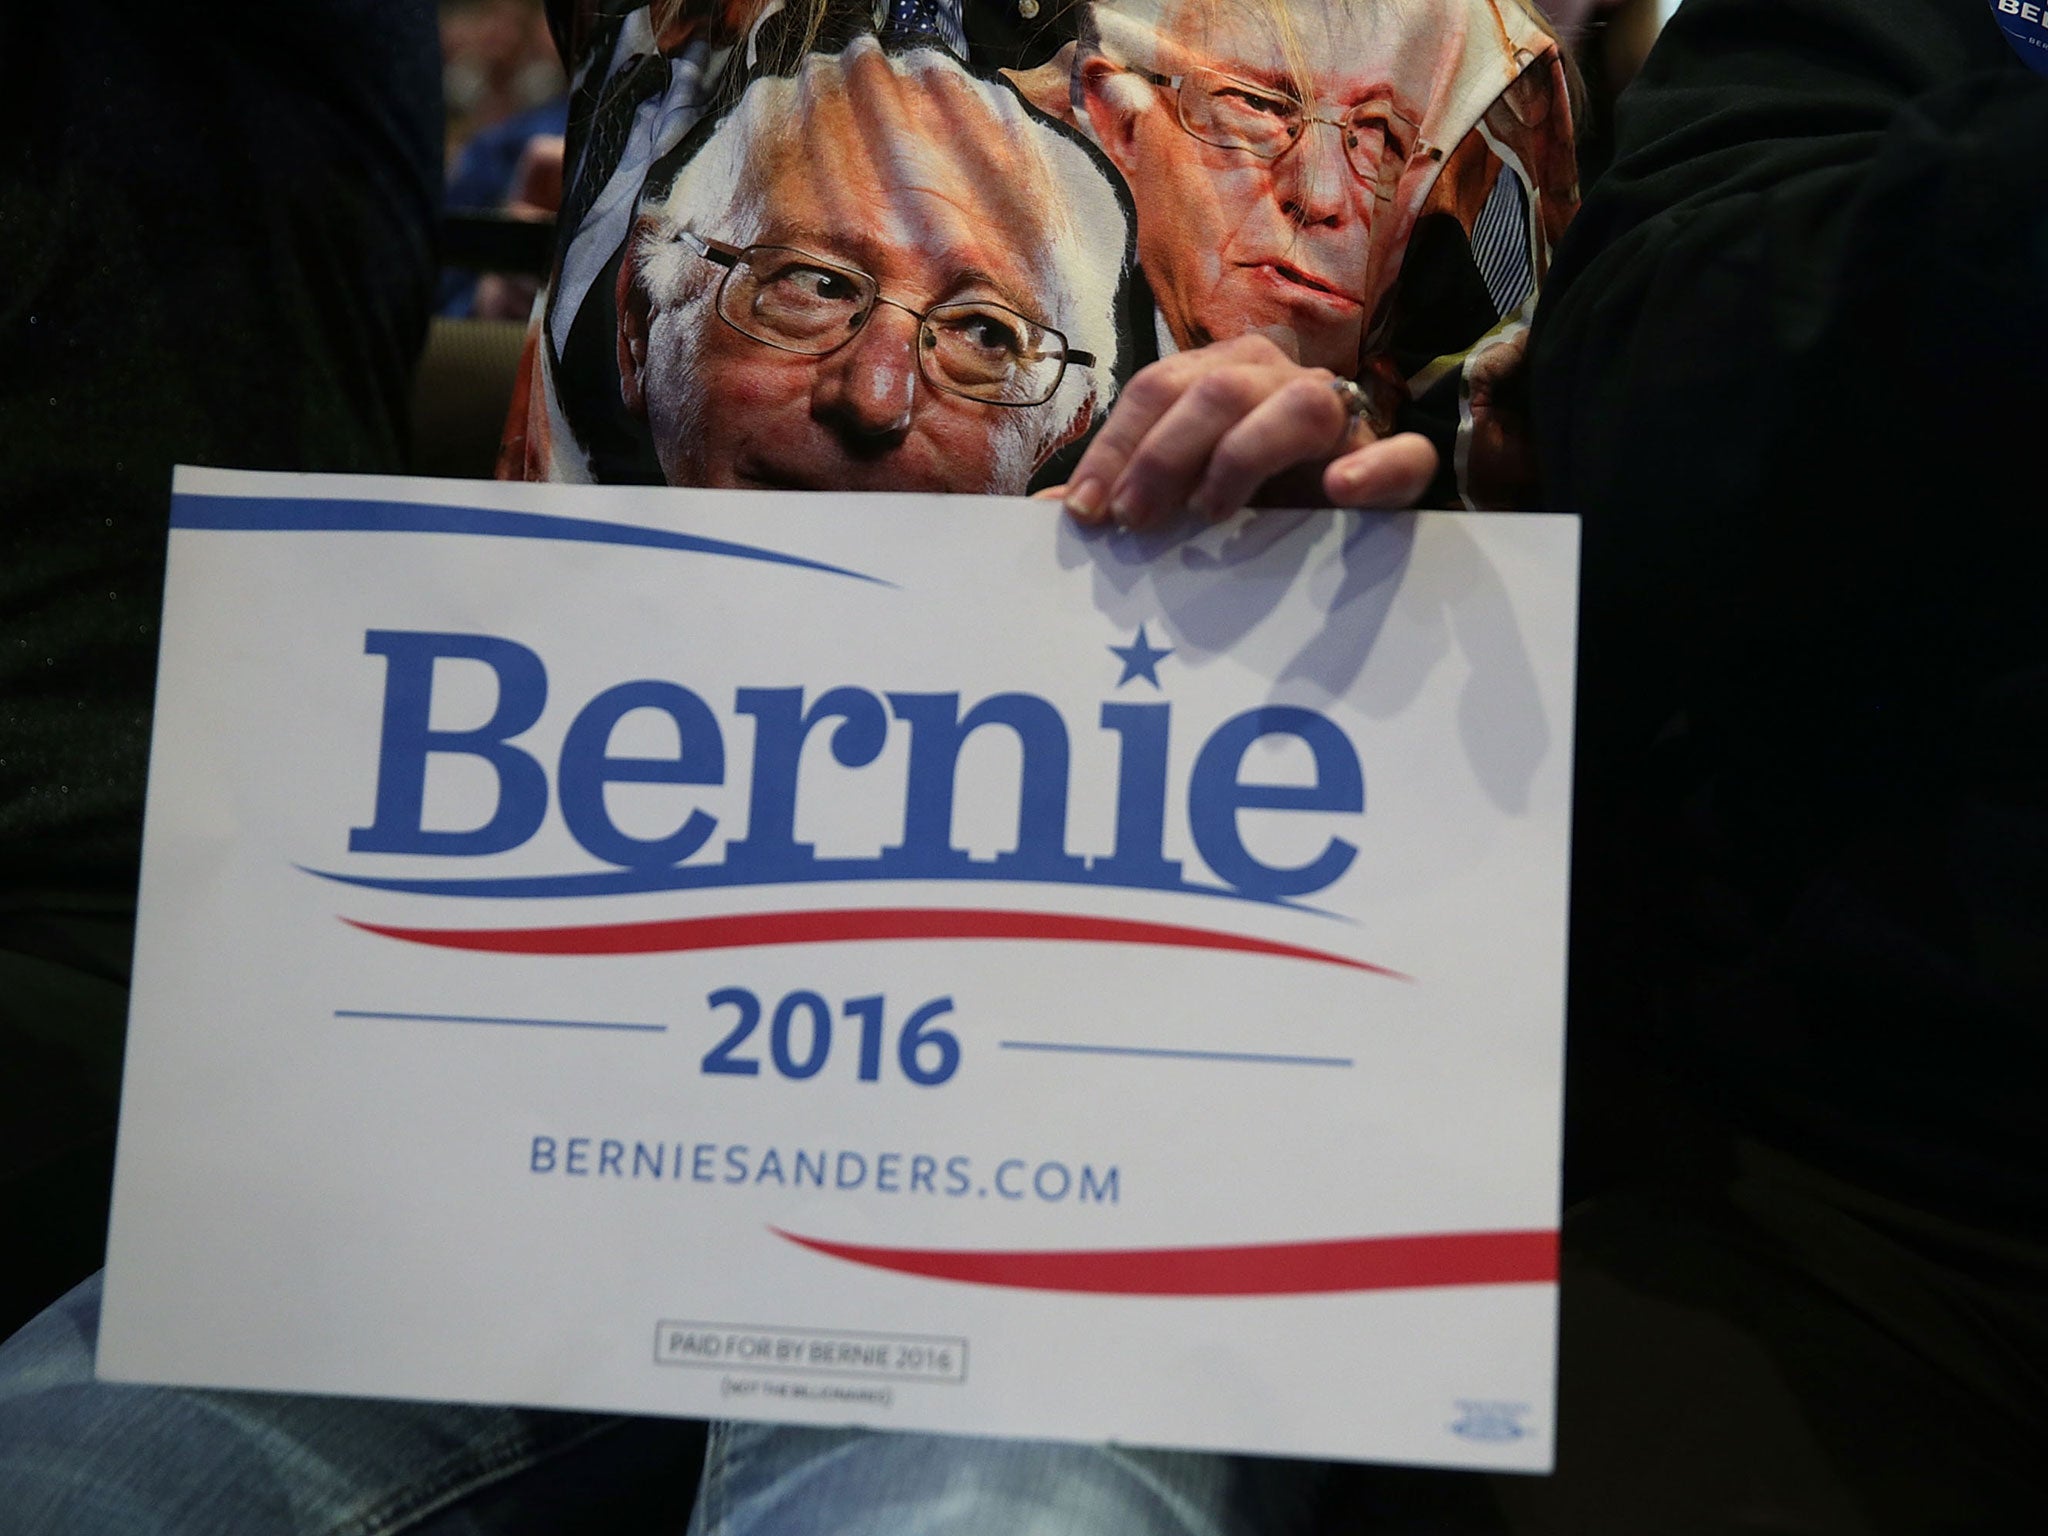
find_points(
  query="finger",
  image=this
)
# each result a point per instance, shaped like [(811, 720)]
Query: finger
[(1050, 493), (1153, 391), (1167, 466), (1392, 473), (1301, 423)]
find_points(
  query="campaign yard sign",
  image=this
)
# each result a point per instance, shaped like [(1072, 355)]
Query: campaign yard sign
[(885, 959)]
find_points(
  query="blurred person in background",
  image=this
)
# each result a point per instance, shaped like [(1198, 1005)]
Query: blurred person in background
[(497, 62), (508, 107)]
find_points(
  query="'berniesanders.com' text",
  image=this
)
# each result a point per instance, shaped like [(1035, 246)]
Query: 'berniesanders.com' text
[(1050, 1181)]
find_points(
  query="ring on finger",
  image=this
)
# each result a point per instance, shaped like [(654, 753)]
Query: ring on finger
[(1361, 421)]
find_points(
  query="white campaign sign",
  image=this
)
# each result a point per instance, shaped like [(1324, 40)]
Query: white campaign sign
[(882, 959)]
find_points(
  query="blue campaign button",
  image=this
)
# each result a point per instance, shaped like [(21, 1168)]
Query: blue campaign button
[(2025, 24)]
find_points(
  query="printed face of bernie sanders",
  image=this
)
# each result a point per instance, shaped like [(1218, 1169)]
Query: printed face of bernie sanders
[(1266, 144), (880, 273)]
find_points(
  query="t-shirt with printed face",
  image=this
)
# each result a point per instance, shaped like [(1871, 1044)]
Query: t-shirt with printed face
[(922, 245)]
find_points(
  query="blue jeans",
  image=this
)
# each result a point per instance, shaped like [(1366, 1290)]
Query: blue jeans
[(773, 1480), (96, 1459)]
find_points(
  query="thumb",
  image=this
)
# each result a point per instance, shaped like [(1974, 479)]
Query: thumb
[(1383, 476)]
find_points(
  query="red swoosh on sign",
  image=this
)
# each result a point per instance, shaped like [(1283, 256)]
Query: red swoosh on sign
[(1258, 1269), (862, 925)]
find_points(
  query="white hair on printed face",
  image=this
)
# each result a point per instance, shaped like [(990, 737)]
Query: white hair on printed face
[(1028, 165)]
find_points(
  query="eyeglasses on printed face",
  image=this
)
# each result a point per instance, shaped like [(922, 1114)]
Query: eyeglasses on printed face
[(1230, 113), (797, 302)]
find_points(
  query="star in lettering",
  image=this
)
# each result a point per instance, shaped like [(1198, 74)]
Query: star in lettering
[(1141, 658)]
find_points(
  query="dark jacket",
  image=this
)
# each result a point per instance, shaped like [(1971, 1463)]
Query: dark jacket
[(1790, 366)]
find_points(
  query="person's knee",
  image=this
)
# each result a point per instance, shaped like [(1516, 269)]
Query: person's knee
[(53, 1349), (829, 1482)]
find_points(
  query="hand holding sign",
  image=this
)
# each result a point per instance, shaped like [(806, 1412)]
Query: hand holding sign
[(1204, 431)]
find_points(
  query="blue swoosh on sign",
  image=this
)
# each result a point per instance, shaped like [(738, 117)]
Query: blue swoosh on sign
[(697, 877), (271, 514)]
